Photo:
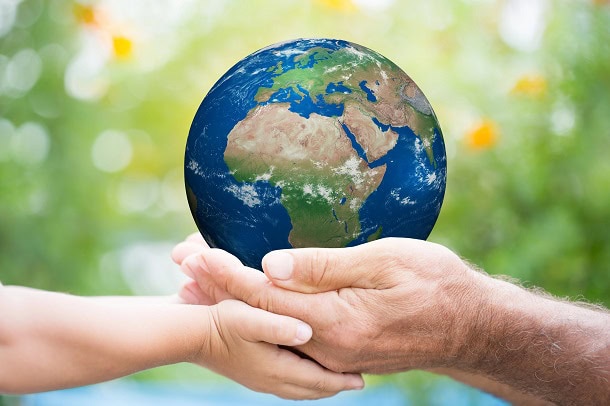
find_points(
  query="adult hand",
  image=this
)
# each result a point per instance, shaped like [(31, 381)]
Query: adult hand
[(389, 305)]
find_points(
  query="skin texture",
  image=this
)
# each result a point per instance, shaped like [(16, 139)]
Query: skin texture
[(399, 304), (52, 341)]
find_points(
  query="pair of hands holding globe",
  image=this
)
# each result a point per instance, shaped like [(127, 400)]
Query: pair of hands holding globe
[(398, 304), (402, 313)]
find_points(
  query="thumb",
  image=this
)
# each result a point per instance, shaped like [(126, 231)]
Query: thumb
[(313, 270)]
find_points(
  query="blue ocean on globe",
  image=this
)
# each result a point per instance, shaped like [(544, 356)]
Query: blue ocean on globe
[(313, 143)]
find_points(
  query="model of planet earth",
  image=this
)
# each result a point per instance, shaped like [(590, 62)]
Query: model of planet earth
[(313, 143)]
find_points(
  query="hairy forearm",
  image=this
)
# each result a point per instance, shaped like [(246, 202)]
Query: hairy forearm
[(51, 340), (557, 351)]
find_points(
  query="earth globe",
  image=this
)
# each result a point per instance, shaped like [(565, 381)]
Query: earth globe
[(313, 143)]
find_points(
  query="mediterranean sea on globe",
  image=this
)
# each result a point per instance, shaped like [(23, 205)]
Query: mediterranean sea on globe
[(313, 143)]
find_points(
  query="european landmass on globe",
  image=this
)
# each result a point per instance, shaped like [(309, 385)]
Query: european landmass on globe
[(313, 142)]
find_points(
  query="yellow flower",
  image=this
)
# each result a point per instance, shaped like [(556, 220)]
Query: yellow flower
[(340, 5), (484, 135), (84, 14), (530, 85), (122, 46)]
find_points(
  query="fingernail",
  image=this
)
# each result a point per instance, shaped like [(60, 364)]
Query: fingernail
[(357, 383), (279, 265), (303, 332)]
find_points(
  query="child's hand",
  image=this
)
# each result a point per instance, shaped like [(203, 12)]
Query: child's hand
[(190, 292), (244, 345)]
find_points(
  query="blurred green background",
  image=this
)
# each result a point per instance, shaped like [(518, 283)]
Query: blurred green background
[(96, 99)]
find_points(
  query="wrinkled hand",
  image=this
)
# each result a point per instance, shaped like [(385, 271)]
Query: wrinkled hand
[(244, 347), (381, 307)]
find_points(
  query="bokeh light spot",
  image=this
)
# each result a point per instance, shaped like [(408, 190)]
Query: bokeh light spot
[(531, 85), (144, 267), (8, 14), (84, 14), (137, 194), (484, 135), (340, 5), (37, 201), (172, 190), (85, 77), (20, 73), (373, 5), (122, 46), (563, 119), (111, 151), (522, 23), (30, 144)]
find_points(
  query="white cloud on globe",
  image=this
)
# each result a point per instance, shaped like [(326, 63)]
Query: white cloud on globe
[(246, 193)]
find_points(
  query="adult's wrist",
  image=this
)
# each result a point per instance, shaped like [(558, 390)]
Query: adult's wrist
[(468, 293), (554, 350), (500, 313)]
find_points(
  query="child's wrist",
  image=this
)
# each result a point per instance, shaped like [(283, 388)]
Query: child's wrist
[(197, 345)]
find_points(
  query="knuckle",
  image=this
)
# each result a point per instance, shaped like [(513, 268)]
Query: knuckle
[(279, 331), (275, 375), (319, 385), (264, 302), (319, 267)]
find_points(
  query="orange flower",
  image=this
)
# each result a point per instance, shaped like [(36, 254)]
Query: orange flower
[(530, 85), (483, 136), (85, 14), (122, 46)]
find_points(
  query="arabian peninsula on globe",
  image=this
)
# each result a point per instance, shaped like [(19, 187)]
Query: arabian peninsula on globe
[(313, 143)]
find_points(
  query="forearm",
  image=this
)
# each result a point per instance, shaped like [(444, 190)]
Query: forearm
[(129, 300), (50, 340), (554, 350)]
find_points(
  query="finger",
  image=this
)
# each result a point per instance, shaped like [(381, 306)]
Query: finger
[(314, 380), (252, 286), (311, 270), (197, 238), (194, 267), (259, 325), (190, 293), (184, 249)]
